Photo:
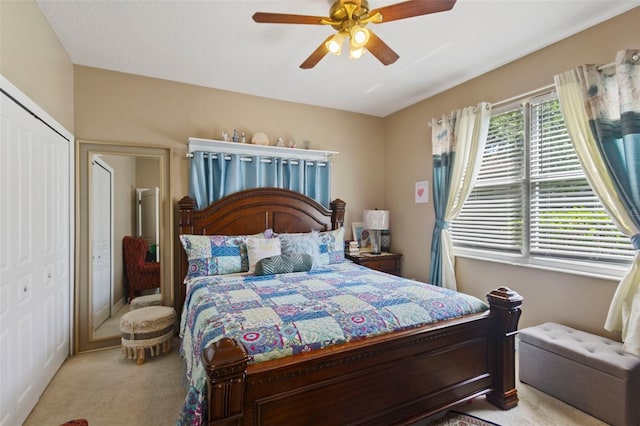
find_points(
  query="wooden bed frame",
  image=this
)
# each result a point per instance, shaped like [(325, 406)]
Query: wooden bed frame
[(398, 378)]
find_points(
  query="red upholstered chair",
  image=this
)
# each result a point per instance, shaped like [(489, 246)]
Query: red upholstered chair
[(140, 274)]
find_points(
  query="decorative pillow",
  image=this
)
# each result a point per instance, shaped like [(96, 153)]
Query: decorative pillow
[(307, 243), (284, 264), (259, 248), (216, 254), (331, 246)]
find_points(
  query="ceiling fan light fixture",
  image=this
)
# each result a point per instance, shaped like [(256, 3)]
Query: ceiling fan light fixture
[(356, 53), (359, 36), (334, 45)]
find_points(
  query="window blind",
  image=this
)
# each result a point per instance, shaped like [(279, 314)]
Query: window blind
[(566, 217), (492, 216), (532, 197)]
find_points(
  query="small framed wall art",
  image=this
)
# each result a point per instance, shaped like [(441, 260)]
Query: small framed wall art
[(422, 192)]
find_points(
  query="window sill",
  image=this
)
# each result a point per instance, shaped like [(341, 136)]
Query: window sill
[(607, 272)]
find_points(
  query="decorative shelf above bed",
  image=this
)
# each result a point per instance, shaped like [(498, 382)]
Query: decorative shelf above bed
[(210, 145)]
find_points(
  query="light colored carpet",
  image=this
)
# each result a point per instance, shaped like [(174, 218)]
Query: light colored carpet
[(109, 390), (534, 408)]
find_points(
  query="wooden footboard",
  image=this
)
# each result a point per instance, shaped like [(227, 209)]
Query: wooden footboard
[(391, 379)]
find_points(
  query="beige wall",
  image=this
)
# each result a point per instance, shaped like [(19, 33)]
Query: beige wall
[(112, 106), (32, 59), (549, 296)]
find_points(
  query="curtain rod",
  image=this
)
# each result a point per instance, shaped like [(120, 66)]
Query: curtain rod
[(544, 89), (635, 57), (529, 94), (535, 92), (541, 90), (602, 67), (488, 106), (265, 160)]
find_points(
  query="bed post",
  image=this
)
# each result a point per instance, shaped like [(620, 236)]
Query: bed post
[(186, 206), (225, 362), (337, 213), (505, 307)]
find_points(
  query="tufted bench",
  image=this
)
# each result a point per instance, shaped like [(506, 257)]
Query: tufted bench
[(149, 328), (590, 372)]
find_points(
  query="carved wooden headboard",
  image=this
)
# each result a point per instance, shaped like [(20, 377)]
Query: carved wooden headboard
[(250, 212)]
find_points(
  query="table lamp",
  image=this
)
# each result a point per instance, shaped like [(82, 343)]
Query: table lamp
[(375, 221)]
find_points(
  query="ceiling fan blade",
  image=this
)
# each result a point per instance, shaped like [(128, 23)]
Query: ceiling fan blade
[(380, 50), (411, 8), (284, 18), (317, 54)]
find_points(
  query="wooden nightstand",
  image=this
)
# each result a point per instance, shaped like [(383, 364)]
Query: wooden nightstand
[(385, 262)]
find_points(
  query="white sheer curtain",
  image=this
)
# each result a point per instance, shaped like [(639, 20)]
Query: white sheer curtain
[(458, 145), (590, 104)]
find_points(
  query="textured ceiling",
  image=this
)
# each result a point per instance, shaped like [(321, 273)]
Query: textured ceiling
[(217, 44)]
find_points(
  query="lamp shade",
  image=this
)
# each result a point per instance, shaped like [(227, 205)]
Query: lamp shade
[(376, 219)]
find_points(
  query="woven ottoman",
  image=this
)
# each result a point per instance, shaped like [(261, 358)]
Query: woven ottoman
[(144, 301), (590, 372), (150, 328)]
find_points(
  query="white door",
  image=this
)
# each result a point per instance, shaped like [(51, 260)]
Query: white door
[(35, 259), (149, 217), (102, 249)]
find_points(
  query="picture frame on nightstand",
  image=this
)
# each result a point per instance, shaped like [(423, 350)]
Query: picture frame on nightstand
[(361, 235)]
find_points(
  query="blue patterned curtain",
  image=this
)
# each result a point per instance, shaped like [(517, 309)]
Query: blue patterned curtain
[(441, 184), (601, 106), (458, 142), (213, 176)]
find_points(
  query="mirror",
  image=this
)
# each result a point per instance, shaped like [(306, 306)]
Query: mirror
[(122, 191)]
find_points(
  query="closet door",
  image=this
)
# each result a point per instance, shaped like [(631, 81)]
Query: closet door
[(34, 258)]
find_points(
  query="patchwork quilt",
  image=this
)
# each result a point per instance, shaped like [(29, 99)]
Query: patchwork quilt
[(287, 314)]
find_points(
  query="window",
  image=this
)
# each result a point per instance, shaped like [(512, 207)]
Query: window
[(532, 204)]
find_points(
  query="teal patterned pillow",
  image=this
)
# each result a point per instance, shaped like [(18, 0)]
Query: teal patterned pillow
[(331, 247), (216, 254), (307, 243), (284, 264)]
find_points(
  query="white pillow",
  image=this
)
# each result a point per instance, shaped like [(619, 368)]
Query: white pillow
[(259, 248)]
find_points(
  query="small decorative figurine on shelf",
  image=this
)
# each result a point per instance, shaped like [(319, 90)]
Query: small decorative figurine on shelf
[(243, 139), (280, 142), (235, 135), (292, 144), (225, 136), (260, 138)]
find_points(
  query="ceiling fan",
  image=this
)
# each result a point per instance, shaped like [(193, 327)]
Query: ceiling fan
[(349, 18)]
